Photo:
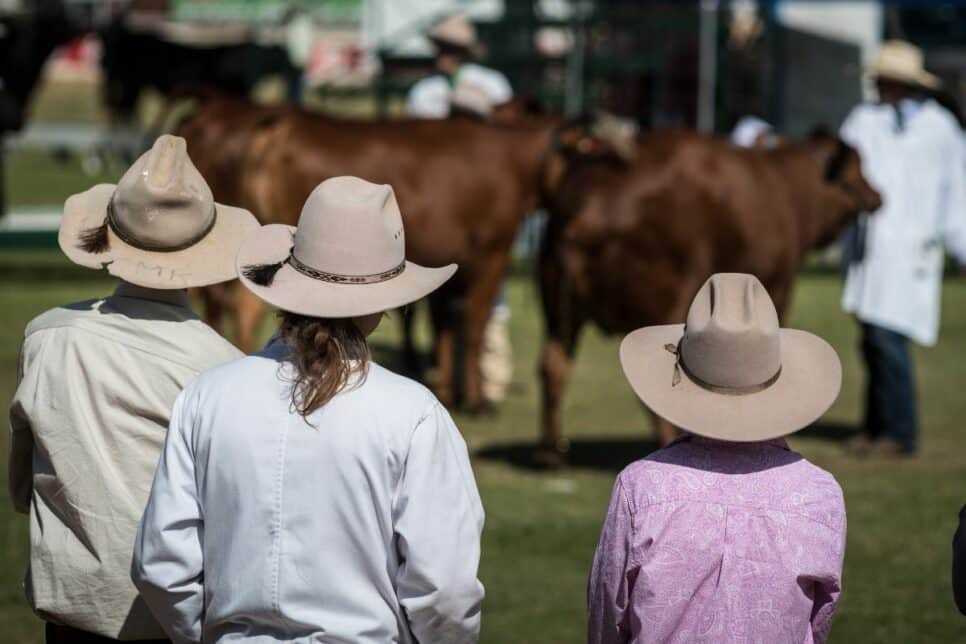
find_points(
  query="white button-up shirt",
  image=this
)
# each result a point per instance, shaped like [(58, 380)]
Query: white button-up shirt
[(97, 382), (429, 98), (361, 524), (920, 171)]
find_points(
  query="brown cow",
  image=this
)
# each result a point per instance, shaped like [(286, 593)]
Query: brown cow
[(463, 188), (628, 246)]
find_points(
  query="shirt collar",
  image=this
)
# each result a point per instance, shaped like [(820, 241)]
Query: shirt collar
[(779, 442), (174, 297)]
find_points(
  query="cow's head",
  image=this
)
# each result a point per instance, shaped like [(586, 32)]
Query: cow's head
[(845, 191), (582, 148)]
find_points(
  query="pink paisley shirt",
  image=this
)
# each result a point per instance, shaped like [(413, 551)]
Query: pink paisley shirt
[(706, 541)]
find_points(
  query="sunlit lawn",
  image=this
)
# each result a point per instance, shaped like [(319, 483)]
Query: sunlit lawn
[(542, 527)]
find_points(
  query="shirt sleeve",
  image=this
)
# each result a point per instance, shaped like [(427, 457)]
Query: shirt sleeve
[(959, 563), (20, 466), (168, 564), (828, 590), (612, 574), (429, 99), (438, 519), (954, 202)]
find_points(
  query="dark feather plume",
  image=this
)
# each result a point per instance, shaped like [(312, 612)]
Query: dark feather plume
[(262, 274), (95, 240)]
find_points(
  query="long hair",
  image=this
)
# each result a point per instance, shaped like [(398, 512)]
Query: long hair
[(327, 355)]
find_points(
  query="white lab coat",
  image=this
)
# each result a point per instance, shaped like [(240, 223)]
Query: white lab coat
[(429, 98), (920, 172), (361, 525)]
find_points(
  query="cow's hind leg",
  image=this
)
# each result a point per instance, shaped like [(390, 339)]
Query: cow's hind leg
[(555, 363), (442, 312)]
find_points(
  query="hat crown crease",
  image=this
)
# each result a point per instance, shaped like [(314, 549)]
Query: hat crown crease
[(732, 336), (162, 201), (350, 227)]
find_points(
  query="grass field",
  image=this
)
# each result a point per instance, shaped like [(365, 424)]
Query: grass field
[(542, 527)]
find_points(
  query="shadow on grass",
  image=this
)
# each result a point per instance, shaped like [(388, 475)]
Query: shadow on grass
[(830, 431), (614, 454), (609, 454)]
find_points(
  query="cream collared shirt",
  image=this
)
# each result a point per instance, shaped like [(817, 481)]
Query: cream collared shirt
[(359, 525), (96, 385)]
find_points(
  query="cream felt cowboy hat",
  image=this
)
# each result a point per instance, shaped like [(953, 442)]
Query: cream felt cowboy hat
[(159, 227), (730, 372), (900, 61), (456, 31), (346, 257)]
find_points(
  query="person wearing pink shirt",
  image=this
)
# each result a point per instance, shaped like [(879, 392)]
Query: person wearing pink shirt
[(726, 535)]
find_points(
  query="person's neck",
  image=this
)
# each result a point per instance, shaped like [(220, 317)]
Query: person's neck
[(174, 297)]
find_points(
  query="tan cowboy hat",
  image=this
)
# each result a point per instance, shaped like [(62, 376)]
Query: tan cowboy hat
[(456, 31), (159, 227), (347, 257), (900, 61), (730, 372), (471, 98)]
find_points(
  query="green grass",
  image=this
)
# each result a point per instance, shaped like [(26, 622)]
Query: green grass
[(542, 527)]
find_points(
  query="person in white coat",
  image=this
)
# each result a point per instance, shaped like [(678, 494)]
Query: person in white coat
[(306, 494), (913, 154)]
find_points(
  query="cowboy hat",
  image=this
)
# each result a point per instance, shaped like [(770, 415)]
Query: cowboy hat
[(730, 372), (159, 227), (346, 257), (902, 62), (456, 31)]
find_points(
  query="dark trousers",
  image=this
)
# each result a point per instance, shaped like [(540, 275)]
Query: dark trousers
[(891, 389), (57, 634)]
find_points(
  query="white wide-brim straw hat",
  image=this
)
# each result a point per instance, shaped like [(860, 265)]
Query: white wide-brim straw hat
[(346, 258), (903, 62), (159, 227), (730, 372)]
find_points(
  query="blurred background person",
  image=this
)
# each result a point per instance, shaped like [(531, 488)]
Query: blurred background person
[(299, 39), (753, 132), (457, 49), (913, 154)]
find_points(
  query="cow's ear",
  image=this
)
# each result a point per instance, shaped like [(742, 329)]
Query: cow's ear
[(831, 152), (836, 162)]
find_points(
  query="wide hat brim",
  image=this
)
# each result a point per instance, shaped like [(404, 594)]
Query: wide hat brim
[(808, 384), (916, 79), (291, 290), (473, 48), (210, 261)]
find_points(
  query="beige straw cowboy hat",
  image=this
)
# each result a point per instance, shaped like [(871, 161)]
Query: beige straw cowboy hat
[(346, 257), (159, 227), (730, 372), (456, 31), (900, 61)]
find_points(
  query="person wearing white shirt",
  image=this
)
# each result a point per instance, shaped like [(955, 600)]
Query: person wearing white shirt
[(456, 48), (306, 494), (96, 384), (913, 154)]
